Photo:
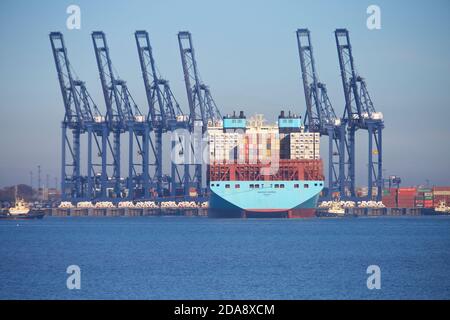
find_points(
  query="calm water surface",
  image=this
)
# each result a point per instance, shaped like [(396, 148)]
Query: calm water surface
[(200, 258)]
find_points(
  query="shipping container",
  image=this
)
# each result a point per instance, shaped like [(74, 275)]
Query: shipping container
[(406, 191), (441, 188), (441, 193), (422, 190)]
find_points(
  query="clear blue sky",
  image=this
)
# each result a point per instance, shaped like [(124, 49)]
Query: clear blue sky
[(246, 51)]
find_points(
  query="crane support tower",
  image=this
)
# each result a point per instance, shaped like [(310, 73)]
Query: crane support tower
[(81, 116), (320, 116), (359, 113), (165, 114), (202, 107), (124, 116)]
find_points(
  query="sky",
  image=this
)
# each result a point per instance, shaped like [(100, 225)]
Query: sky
[(247, 53)]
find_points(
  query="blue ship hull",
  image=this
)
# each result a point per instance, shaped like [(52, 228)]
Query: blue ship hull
[(237, 199)]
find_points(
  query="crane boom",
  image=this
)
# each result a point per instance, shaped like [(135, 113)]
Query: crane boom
[(191, 79), (115, 91), (66, 80), (313, 112), (163, 107)]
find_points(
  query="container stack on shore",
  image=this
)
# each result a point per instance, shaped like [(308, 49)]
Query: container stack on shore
[(389, 198), (406, 197), (424, 198), (412, 197)]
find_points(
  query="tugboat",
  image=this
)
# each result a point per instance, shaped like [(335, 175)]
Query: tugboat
[(21, 211), (331, 209), (442, 208)]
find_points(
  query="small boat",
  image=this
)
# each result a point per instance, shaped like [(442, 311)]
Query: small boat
[(21, 211), (442, 208)]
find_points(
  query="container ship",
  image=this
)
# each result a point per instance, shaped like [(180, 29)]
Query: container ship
[(260, 170)]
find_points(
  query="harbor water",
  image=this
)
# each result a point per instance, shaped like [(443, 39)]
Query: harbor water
[(201, 258)]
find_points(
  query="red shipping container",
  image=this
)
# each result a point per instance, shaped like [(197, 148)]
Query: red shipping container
[(389, 201), (428, 203), (392, 191), (406, 196), (410, 198)]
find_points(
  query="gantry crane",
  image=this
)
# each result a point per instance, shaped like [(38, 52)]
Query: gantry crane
[(164, 111), (123, 115), (359, 113), (202, 107), (320, 116), (81, 115)]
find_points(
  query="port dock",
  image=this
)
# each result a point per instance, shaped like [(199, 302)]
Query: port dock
[(373, 212), (125, 212), (203, 212)]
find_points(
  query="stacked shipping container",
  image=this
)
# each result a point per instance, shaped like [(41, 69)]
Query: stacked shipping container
[(223, 147), (406, 197), (304, 145), (244, 149), (300, 146), (262, 144), (424, 198), (389, 198), (419, 198), (248, 147)]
